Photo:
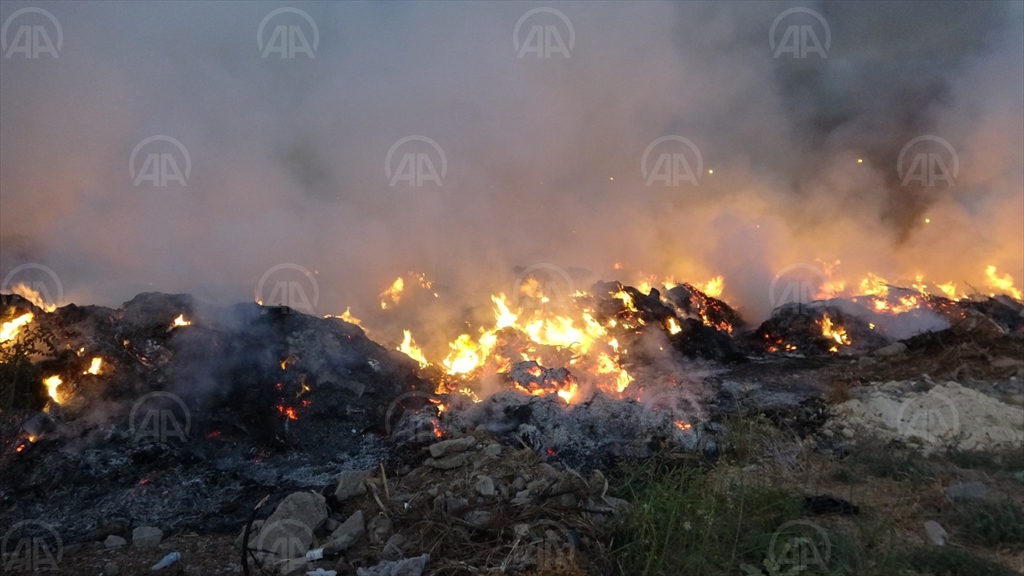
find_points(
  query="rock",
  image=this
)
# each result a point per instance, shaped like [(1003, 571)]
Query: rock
[(1006, 362), (968, 491), (350, 483), (395, 548), (147, 537), (478, 518), (330, 525), (289, 530), (256, 525), (485, 486), (493, 450), (115, 542), (409, 567), (348, 533), (894, 349), (849, 433), (1019, 476), (446, 447), (448, 463), (379, 529), (936, 533), (111, 568), (454, 505)]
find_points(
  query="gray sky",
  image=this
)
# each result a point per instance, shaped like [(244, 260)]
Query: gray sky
[(543, 154)]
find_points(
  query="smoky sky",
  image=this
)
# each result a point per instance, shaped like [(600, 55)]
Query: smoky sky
[(543, 155)]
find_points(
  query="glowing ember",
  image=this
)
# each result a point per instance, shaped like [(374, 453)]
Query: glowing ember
[(52, 384), (180, 321), (10, 330), (288, 412), (95, 366), (410, 349), (683, 425)]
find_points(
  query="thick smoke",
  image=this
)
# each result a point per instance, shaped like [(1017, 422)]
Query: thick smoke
[(543, 155)]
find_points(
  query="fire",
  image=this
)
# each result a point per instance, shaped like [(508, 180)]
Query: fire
[(1003, 283), (838, 333), (672, 326), (10, 330), (627, 300), (95, 366), (26, 292), (393, 294), (288, 412), (52, 384), (348, 317), (713, 287), (410, 349), (180, 321), (683, 425), (464, 357)]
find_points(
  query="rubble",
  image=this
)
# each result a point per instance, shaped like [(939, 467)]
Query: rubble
[(147, 537)]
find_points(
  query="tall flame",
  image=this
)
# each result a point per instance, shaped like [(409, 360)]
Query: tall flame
[(410, 349), (9, 330), (52, 384)]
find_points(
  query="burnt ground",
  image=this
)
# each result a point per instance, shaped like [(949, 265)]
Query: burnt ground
[(91, 474)]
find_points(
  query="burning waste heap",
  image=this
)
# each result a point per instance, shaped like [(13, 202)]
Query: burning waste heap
[(168, 412)]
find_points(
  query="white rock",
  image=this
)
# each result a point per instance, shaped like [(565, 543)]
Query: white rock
[(936, 533)]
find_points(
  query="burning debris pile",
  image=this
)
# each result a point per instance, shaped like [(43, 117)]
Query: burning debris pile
[(169, 412), (168, 409)]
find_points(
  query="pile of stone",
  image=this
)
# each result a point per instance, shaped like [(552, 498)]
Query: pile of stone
[(471, 503)]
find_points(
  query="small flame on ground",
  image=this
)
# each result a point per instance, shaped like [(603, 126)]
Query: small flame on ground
[(837, 333), (673, 326), (288, 411), (348, 317), (410, 349), (180, 321), (9, 330), (95, 366), (52, 384), (683, 425)]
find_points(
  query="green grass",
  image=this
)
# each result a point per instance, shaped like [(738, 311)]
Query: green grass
[(990, 523), (948, 561)]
